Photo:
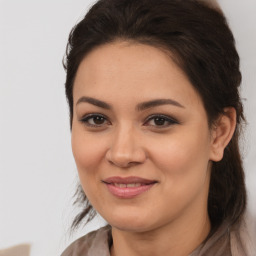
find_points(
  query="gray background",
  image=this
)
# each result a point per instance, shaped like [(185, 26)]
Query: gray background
[(37, 171)]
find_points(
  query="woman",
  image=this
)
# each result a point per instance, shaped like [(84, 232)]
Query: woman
[(155, 114)]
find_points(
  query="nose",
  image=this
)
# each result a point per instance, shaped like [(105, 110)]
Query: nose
[(125, 149)]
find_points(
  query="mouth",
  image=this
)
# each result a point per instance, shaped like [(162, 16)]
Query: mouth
[(128, 187)]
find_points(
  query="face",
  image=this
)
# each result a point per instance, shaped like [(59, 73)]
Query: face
[(140, 137)]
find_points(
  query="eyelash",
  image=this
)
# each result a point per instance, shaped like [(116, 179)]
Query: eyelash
[(170, 121), (86, 118)]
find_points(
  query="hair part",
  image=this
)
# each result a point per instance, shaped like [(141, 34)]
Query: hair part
[(197, 37)]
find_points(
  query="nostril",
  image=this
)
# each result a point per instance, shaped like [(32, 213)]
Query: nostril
[(123, 164), (125, 156)]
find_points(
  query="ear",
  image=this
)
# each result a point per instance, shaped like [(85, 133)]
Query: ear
[(222, 132)]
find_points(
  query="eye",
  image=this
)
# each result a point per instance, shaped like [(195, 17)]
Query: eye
[(160, 121), (95, 120)]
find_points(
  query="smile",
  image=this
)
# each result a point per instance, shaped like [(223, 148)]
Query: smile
[(131, 185), (128, 187)]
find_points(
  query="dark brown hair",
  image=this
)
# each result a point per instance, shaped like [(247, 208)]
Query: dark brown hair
[(199, 40)]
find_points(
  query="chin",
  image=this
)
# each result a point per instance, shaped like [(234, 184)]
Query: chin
[(131, 227), (131, 223)]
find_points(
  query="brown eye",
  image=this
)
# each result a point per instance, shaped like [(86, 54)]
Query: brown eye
[(160, 121), (97, 120), (94, 120)]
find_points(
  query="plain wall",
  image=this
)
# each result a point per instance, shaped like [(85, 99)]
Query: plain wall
[(37, 171)]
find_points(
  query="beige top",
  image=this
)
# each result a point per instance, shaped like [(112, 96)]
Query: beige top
[(226, 241), (17, 250)]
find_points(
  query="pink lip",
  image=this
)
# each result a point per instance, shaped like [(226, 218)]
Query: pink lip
[(113, 185)]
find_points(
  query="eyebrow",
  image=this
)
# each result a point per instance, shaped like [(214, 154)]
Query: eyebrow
[(94, 102), (140, 107), (158, 102)]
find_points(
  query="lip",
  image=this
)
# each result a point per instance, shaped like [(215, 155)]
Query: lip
[(128, 180), (128, 187)]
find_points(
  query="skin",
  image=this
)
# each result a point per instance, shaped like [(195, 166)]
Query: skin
[(171, 217)]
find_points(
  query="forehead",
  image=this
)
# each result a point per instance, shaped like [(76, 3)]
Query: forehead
[(124, 57), (124, 69)]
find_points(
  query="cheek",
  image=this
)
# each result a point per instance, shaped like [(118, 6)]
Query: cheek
[(88, 154), (183, 159), (87, 150), (185, 173)]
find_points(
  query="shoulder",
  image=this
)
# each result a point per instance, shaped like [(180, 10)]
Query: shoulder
[(230, 240), (94, 243), (243, 237)]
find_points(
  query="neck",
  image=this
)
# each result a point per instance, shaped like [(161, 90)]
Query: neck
[(180, 238)]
